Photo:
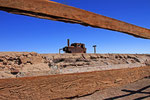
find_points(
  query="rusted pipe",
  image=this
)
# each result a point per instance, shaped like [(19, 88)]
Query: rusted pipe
[(68, 41)]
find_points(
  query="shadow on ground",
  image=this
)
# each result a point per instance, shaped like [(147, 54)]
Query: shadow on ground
[(132, 92)]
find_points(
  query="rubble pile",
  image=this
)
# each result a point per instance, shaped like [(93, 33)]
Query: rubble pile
[(26, 64), (12, 63), (73, 60), (19, 59)]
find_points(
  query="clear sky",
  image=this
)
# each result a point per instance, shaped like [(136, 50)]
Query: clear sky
[(23, 33)]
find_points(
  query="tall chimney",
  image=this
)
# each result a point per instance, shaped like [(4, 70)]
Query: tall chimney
[(68, 42)]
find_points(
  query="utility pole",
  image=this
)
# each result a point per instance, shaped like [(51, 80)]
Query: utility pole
[(94, 48)]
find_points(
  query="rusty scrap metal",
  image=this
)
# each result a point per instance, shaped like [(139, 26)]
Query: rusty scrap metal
[(55, 11), (74, 48)]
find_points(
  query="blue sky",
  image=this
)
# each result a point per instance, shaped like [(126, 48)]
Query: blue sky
[(23, 33)]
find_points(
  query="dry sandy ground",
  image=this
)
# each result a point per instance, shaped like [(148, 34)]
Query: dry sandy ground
[(108, 70), (57, 87), (27, 64), (139, 90)]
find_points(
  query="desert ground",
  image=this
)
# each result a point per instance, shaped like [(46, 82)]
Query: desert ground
[(138, 90), (33, 76)]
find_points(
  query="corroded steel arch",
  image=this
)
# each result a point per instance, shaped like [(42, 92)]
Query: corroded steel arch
[(55, 11)]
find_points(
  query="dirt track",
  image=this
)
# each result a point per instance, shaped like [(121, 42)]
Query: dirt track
[(67, 86), (139, 90)]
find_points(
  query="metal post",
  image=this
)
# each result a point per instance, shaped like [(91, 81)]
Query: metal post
[(60, 50), (94, 48)]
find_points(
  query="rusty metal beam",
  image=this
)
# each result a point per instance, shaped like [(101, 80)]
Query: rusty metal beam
[(55, 11)]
